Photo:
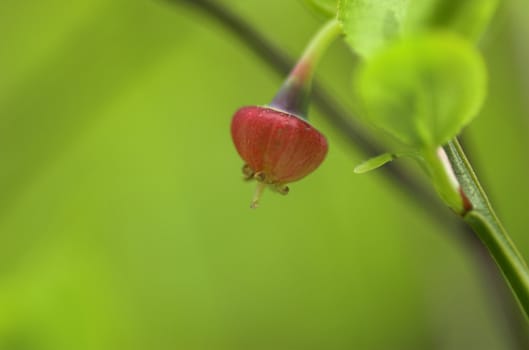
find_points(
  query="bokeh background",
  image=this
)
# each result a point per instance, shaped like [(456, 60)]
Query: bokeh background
[(124, 223)]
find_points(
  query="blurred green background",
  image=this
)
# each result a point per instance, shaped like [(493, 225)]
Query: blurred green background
[(124, 223)]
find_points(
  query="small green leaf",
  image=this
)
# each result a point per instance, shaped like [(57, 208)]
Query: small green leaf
[(369, 25), (374, 163), (423, 90), (468, 18), (326, 7)]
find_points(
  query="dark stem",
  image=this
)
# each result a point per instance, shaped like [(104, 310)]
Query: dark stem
[(340, 118)]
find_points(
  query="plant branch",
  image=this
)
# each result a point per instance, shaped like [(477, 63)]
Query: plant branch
[(488, 227)]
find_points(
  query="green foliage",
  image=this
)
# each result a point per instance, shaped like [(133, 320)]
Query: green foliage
[(371, 24), (424, 89), (326, 7), (374, 163), (468, 18)]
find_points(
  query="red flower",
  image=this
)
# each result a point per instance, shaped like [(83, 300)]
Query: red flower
[(278, 147)]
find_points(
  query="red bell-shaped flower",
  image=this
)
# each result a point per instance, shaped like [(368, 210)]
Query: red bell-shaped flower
[(277, 143), (278, 147)]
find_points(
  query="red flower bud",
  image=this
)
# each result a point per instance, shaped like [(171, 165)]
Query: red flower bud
[(278, 147)]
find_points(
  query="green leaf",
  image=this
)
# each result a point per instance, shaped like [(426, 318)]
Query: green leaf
[(423, 90), (369, 25), (468, 18), (326, 7), (374, 163)]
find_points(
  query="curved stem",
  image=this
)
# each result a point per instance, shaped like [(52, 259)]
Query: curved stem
[(294, 94), (488, 227)]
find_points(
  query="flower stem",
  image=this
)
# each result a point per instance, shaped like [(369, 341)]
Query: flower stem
[(294, 94), (488, 227)]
